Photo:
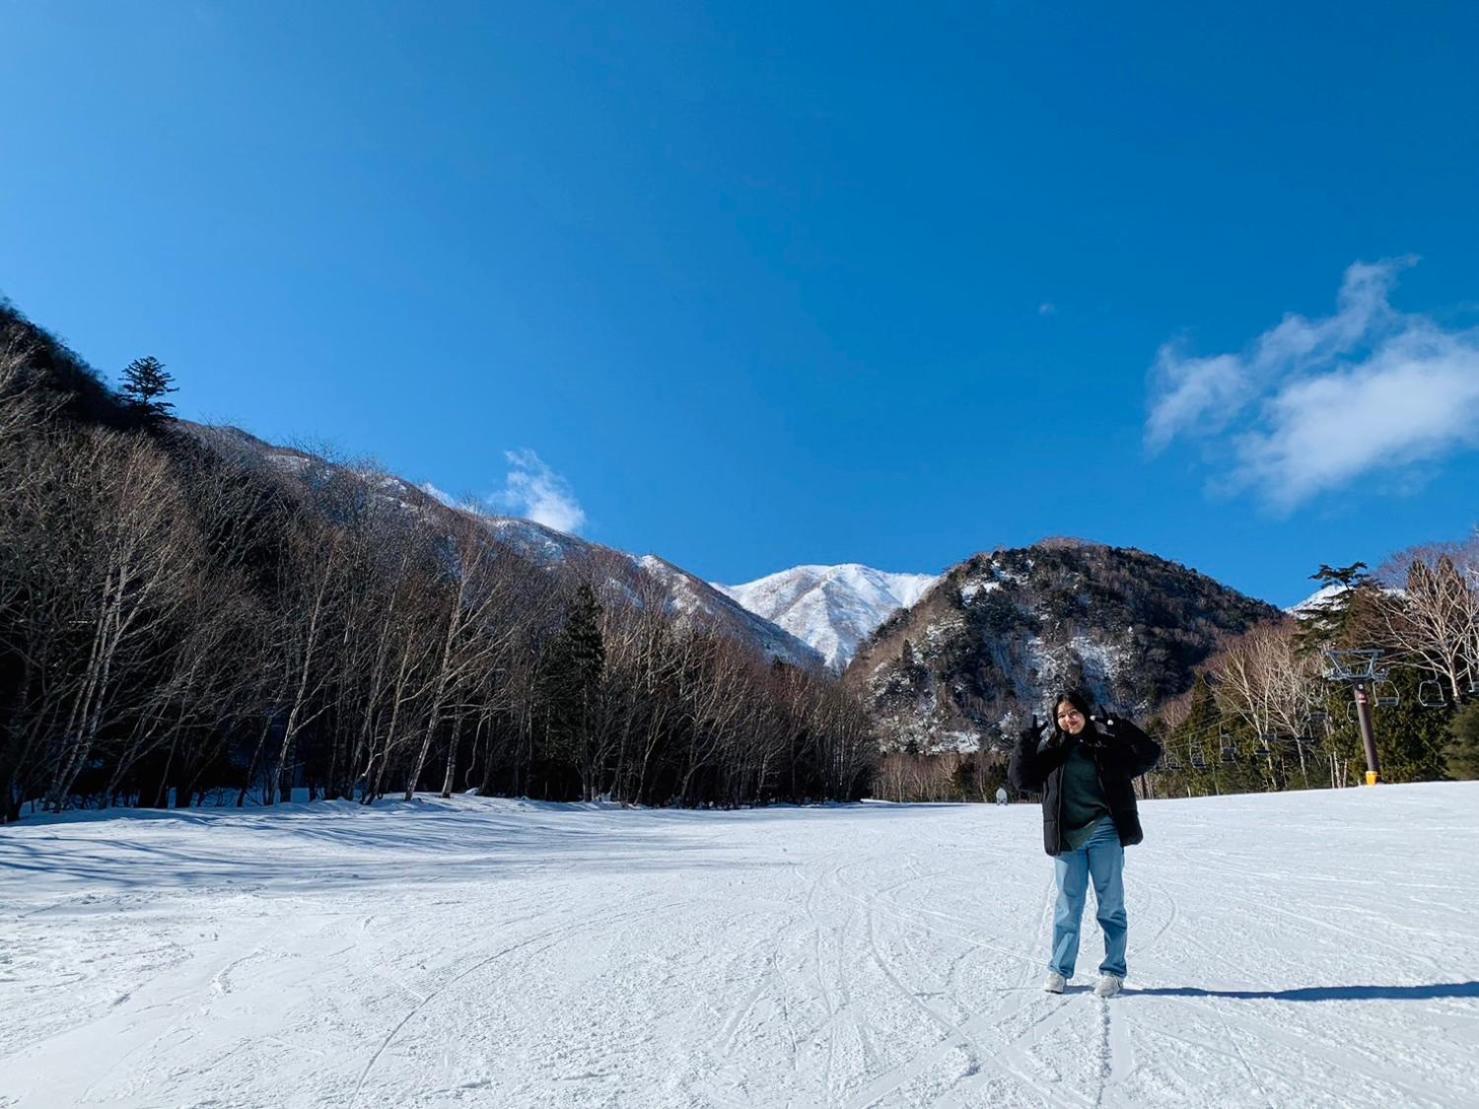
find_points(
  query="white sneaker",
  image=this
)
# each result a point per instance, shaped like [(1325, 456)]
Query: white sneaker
[(1109, 985), (1055, 982)]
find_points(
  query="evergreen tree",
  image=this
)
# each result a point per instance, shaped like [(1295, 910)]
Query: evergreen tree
[(569, 680), (1204, 719), (1194, 745), (1462, 752), (1410, 739), (145, 383), (1327, 622)]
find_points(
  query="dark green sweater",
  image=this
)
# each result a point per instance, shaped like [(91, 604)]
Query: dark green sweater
[(1083, 796)]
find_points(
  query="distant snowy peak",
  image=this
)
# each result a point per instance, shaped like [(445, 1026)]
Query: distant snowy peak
[(1329, 596), (832, 608), (683, 594), (1320, 599)]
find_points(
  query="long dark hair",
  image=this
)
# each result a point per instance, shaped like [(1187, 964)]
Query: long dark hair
[(1079, 700)]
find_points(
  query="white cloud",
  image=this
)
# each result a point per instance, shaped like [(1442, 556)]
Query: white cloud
[(1313, 405), (431, 490), (1198, 395), (535, 492)]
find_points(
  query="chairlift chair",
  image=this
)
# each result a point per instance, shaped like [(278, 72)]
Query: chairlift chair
[(1167, 761), (1353, 665), (1227, 750), (1276, 743), (1198, 759), (1430, 694), (1317, 725), (1390, 698)]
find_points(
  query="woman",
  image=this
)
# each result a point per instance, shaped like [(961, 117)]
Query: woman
[(1084, 770)]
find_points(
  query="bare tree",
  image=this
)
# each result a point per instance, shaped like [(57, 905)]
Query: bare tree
[(486, 633), (178, 612), (311, 570), (133, 553), (1434, 623), (470, 604), (1263, 679)]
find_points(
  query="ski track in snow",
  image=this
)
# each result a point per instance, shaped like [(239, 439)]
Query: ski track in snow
[(1316, 949)]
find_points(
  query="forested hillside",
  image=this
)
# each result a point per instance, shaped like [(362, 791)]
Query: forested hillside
[(190, 615), (1243, 697), (187, 614), (1271, 709), (1007, 628)]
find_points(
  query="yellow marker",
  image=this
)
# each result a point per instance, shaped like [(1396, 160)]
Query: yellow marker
[(1372, 777)]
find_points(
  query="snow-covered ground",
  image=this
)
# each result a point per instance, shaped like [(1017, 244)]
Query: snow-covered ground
[(1303, 949)]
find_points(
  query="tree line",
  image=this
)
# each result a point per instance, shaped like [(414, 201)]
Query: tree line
[(1265, 713), (184, 623)]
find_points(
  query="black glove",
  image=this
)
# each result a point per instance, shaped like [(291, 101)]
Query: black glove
[(1032, 734), (1106, 728)]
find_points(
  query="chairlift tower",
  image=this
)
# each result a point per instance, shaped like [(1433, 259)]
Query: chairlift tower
[(1358, 668)]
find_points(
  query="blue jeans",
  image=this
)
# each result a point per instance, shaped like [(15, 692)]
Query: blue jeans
[(1103, 860)]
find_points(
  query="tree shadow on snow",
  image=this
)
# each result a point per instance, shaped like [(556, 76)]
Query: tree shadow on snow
[(1325, 993)]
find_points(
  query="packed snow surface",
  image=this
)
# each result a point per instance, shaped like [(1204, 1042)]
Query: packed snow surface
[(1297, 949), (831, 608)]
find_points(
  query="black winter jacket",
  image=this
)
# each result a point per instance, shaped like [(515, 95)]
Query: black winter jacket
[(1121, 752)]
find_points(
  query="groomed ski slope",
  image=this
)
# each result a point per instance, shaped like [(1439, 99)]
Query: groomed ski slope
[(1285, 950)]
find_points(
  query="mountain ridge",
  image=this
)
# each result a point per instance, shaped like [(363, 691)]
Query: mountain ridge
[(832, 608), (627, 576), (981, 651)]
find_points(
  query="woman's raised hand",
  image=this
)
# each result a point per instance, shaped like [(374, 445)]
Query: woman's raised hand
[(1034, 730)]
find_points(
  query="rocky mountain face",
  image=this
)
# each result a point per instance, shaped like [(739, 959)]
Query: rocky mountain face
[(621, 578), (984, 649), (831, 608)]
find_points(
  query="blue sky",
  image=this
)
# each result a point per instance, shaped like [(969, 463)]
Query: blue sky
[(755, 285)]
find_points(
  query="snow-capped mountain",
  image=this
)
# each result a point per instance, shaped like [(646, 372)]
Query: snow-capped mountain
[(831, 608), (1329, 595), (1319, 599)]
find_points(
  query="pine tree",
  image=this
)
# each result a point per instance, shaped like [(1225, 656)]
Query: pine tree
[(1194, 746), (1462, 752), (1204, 720), (1327, 622), (145, 383), (570, 679), (1205, 717)]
